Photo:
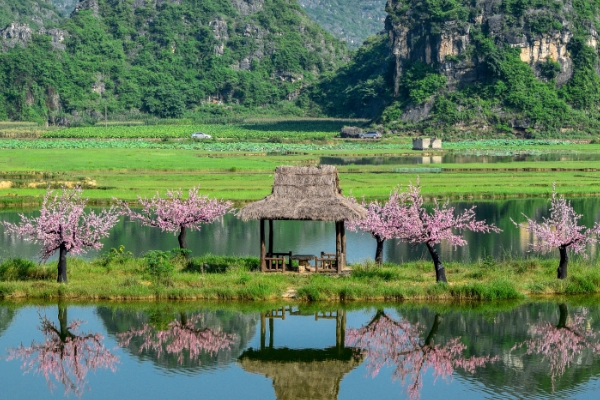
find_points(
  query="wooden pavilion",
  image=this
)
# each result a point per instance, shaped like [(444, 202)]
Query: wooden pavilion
[(309, 194)]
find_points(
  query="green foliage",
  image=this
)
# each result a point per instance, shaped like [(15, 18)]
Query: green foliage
[(115, 256), (549, 69), (20, 269), (420, 81), (159, 265), (147, 59)]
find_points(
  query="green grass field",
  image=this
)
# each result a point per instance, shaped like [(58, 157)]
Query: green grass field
[(240, 167)]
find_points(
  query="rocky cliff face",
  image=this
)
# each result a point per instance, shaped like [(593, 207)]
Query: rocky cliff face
[(447, 44), (454, 37)]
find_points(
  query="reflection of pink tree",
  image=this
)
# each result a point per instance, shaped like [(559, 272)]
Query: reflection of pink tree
[(562, 231), (63, 226), (66, 356), (398, 344), (181, 335), (176, 214), (559, 344), (383, 221)]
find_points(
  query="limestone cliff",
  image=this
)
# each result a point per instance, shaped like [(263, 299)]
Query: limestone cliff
[(468, 43)]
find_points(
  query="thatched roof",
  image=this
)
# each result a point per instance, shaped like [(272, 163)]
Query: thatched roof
[(305, 193), (300, 376)]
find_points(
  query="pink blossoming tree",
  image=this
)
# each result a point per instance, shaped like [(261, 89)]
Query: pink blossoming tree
[(399, 344), (66, 355), (176, 214), (561, 230), (63, 226), (384, 221), (439, 224), (181, 336), (560, 344)]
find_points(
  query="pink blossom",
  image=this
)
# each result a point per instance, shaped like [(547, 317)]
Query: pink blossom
[(176, 214), (560, 344), (398, 344), (179, 336), (383, 220), (66, 356), (561, 229)]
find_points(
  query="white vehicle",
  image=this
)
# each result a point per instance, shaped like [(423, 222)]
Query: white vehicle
[(370, 135), (200, 135)]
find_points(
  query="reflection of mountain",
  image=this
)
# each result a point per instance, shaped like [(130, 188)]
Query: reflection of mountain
[(302, 373), (240, 326), (495, 334), (6, 316)]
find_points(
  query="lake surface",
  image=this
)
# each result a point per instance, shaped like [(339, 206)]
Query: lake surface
[(486, 157), (307, 351), (231, 236)]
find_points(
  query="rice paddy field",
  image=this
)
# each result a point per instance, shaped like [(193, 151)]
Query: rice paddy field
[(125, 162)]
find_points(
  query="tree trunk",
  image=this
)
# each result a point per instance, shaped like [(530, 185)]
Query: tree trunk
[(440, 271), (62, 264), (181, 238), (564, 314), (433, 330), (564, 262), (379, 251)]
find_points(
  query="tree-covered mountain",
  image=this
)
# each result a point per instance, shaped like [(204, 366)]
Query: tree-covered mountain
[(477, 67), (164, 57), (349, 20), (35, 13)]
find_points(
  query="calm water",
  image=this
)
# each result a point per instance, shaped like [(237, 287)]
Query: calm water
[(256, 351), (462, 158), (231, 236)]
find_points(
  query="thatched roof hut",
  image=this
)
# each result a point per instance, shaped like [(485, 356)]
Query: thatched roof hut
[(304, 193)]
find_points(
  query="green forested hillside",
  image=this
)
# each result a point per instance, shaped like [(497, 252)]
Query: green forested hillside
[(135, 55), (36, 13), (349, 20), (463, 67)]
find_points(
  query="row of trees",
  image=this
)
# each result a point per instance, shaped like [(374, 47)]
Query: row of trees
[(404, 217), (64, 227)]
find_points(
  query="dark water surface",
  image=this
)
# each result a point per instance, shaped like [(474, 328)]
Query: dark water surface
[(231, 236), (486, 157), (262, 351)]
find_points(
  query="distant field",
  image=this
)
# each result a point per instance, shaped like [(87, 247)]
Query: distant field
[(126, 173)]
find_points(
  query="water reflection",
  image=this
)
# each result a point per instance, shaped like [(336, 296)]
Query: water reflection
[(562, 344), (66, 355), (177, 338), (489, 157), (404, 347), (307, 373)]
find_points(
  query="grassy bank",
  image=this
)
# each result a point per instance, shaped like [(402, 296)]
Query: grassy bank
[(119, 277)]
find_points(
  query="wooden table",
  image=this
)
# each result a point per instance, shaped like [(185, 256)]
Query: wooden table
[(304, 260)]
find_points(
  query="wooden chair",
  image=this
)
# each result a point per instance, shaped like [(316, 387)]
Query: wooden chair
[(326, 263), (276, 262)]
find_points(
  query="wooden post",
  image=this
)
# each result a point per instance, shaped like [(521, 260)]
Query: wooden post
[(271, 330), (338, 245), (271, 237), (263, 263), (263, 330), (343, 229)]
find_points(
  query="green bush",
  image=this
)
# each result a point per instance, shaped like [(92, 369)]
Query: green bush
[(20, 269), (159, 265)]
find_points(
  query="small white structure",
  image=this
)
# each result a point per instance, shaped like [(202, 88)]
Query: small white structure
[(422, 143), (436, 144)]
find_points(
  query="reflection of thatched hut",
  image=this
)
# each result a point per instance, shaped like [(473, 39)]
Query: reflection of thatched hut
[(302, 374), (304, 193)]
